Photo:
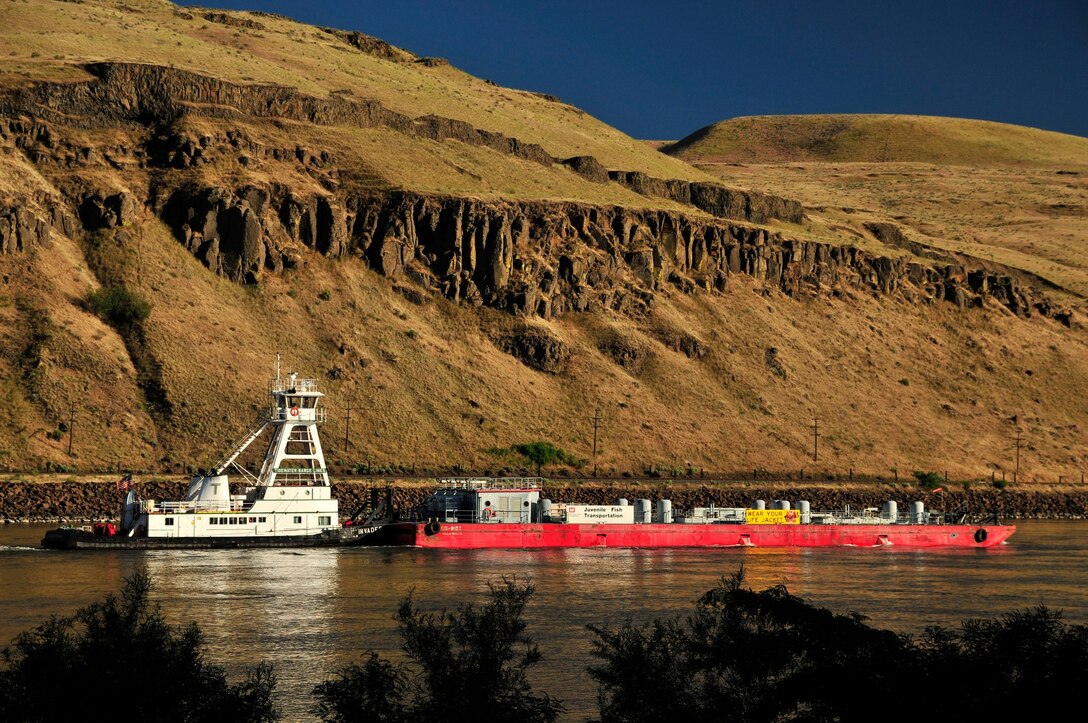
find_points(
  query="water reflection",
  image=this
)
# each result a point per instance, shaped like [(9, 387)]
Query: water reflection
[(311, 611)]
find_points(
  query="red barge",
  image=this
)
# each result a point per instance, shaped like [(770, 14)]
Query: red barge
[(510, 513)]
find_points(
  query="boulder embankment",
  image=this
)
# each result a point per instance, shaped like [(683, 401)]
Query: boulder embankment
[(70, 500)]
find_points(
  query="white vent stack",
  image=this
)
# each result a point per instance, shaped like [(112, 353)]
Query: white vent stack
[(805, 509), (780, 505), (890, 510), (664, 511), (760, 505), (917, 513), (642, 511)]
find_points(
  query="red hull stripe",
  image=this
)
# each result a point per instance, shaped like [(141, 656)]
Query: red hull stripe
[(498, 535)]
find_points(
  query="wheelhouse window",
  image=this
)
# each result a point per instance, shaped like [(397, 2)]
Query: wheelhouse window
[(298, 520), (324, 519), (168, 521)]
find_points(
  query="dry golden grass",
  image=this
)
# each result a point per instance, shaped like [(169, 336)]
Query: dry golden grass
[(293, 54), (880, 138), (895, 386), (1033, 219), (999, 193)]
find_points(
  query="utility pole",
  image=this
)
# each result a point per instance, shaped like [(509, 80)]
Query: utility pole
[(347, 427), (1016, 471), (815, 439), (596, 426), (71, 427)]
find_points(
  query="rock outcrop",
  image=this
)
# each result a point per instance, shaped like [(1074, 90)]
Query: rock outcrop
[(155, 97), (547, 259), (533, 258), (27, 223)]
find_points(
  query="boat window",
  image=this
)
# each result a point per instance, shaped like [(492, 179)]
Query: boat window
[(213, 521), (262, 519), (252, 519), (324, 520), (298, 520), (169, 521)]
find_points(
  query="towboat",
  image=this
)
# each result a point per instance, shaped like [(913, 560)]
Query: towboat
[(287, 504), (511, 513)]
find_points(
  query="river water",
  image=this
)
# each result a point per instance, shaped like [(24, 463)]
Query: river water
[(309, 612)]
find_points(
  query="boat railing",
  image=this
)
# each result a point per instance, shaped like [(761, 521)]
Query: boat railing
[(296, 386), (470, 517), (491, 483), (164, 507), (311, 414)]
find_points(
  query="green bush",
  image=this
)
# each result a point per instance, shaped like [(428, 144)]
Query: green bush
[(119, 307), (928, 480), (545, 453)]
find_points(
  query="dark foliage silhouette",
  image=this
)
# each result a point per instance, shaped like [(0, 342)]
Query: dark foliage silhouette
[(461, 665), (119, 659)]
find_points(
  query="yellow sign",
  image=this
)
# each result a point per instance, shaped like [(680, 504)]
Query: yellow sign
[(772, 517)]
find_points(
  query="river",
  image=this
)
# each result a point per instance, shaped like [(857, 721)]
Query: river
[(309, 612)]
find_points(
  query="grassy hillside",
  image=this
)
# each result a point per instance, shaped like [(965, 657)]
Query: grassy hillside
[(879, 138), (997, 193), (895, 384), (258, 48)]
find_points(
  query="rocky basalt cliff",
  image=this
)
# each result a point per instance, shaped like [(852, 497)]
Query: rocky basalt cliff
[(525, 257)]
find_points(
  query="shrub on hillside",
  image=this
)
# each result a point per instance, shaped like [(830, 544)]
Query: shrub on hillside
[(118, 306), (928, 480), (544, 453)]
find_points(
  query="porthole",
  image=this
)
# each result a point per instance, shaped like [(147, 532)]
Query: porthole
[(487, 503)]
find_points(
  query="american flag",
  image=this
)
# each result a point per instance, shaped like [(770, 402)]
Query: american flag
[(125, 483)]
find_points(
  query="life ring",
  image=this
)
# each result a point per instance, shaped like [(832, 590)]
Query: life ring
[(294, 411), (432, 528), (980, 535)]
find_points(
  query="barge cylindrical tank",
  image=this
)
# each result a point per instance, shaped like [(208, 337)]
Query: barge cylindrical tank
[(917, 512), (545, 509), (759, 505), (642, 511), (780, 505), (805, 509), (622, 502), (664, 511), (890, 510)]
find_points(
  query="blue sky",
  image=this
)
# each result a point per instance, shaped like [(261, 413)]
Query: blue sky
[(662, 70)]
